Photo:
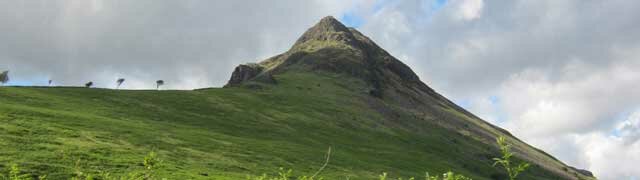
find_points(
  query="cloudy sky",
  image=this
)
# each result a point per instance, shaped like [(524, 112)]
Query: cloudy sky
[(563, 75)]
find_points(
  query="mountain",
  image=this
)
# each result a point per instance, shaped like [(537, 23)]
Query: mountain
[(334, 88), (395, 91)]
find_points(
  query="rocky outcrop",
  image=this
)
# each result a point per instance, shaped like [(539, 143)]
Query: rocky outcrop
[(244, 72), (247, 72), (582, 171), (328, 29), (585, 172)]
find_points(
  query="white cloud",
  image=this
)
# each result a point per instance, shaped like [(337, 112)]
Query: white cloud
[(610, 157), (389, 25), (469, 9), (572, 114), (577, 101), (629, 129), (189, 44)]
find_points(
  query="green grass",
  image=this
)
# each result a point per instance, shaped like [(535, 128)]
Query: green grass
[(228, 133)]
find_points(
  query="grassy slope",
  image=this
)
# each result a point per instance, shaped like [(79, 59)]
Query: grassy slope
[(225, 133)]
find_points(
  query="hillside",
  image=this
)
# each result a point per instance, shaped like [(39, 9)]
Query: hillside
[(334, 88)]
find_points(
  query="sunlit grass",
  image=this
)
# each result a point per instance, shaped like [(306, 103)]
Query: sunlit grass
[(152, 162), (229, 133)]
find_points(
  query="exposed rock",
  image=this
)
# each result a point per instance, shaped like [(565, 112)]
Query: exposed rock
[(247, 72), (585, 172), (265, 77), (327, 29), (582, 171), (244, 72)]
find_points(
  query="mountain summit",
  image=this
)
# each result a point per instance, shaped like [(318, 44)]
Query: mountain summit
[(331, 46), (327, 29), (389, 87)]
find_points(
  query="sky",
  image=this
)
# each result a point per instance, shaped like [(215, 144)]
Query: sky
[(563, 75)]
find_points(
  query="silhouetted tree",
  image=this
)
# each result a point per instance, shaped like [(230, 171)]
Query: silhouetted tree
[(4, 77), (89, 84), (159, 83), (119, 81)]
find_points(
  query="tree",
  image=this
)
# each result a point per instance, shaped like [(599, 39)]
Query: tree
[(89, 84), (505, 161), (159, 83), (119, 81), (4, 77)]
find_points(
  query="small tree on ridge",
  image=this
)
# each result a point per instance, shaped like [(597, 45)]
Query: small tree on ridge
[(4, 77), (159, 83), (119, 82)]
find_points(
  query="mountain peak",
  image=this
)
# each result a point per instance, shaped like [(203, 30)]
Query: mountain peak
[(331, 46), (328, 29), (331, 23)]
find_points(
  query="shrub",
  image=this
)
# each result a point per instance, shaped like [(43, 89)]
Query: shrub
[(16, 174), (505, 161)]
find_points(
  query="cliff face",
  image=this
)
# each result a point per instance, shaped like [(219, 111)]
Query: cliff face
[(392, 88), (246, 72), (243, 73)]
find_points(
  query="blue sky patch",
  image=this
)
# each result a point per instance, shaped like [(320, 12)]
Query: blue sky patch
[(350, 19), (40, 81), (379, 5), (465, 103), (437, 4), (494, 99)]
